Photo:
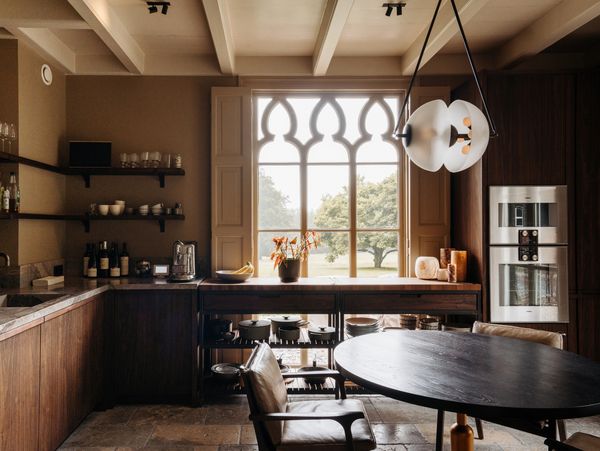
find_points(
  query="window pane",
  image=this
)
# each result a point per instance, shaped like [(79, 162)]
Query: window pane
[(278, 197), (377, 196), (261, 104), (303, 107), (331, 258), (328, 197), (377, 151), (352, 107), (278, 151), (265, 247), (328, 151), (377, 254)]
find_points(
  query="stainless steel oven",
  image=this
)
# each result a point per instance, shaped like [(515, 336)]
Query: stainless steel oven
[(528, 254), (543, 209), (531, 289)]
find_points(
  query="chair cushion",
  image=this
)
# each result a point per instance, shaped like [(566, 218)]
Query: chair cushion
[(585, 442), (267, 386), (522, 333), (325, 435)]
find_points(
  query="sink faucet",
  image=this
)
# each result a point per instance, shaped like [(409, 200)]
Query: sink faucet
[(6, 258)]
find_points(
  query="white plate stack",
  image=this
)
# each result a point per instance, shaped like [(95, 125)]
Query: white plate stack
[(361, 326)]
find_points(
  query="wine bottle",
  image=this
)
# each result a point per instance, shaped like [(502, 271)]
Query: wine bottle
[(104, 270), (115, 267), (92, 269), (86, 259), (14, 194), (124, 261)]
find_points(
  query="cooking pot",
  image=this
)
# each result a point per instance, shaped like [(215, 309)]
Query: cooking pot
[(324, 333), (215, 329), (255, 329), (285, 321), (289, 333), (314, 379)]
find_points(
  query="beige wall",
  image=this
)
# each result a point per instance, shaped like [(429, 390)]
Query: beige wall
[(9, 112), (166, 114), (42, 123)]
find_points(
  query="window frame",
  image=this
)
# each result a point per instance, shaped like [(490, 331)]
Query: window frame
[(353, 230)]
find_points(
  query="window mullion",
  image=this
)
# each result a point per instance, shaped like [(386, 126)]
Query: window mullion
[(303, 203), (352, 204)]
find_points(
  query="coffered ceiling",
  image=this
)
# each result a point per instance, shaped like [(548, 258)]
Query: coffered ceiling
[(285, 37)]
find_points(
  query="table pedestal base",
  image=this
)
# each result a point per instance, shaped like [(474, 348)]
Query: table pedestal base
[(461, 435)]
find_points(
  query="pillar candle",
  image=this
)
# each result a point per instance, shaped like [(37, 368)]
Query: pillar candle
[(459, 258), (445, 256)]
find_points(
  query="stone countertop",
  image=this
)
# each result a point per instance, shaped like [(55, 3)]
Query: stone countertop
[(73, 291), (337, 284)]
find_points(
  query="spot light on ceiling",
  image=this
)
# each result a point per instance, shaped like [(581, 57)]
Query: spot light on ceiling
[(390, 7), (153, 7)]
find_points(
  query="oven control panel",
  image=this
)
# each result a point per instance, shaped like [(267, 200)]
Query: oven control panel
[(528, 237), (528, 253)]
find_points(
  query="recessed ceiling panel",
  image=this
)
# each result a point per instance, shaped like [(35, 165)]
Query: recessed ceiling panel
[(275, 27), (369, 32), (82, 42), (183, 29), (498, 22)]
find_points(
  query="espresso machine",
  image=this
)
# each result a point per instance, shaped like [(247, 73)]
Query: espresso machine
[(184, 261)]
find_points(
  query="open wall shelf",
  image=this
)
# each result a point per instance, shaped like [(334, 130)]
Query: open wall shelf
[(87, 219), (87, 173)]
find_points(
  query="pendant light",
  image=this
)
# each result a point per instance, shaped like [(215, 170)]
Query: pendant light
[(435, 134)]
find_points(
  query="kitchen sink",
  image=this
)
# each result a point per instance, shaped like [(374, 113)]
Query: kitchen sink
[(26, 300)]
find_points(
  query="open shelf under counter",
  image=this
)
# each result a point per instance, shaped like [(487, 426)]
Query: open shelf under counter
[(274, 342)]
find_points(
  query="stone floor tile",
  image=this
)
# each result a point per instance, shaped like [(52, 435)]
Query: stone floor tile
[(186, 435), (118, 415), (108, 435), (248, 436), (396, 448), (392, 434), (238, 448), (398, 412), (168, 414), (227, 414), (86, 448)]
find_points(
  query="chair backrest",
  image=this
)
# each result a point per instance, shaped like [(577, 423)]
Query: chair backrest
[(265, 389), (545, 337)]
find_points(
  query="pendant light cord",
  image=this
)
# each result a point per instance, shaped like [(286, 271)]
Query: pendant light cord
[(493, 132)]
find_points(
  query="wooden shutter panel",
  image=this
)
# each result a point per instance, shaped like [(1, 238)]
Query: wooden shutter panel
[(231, 197), (428, 197)]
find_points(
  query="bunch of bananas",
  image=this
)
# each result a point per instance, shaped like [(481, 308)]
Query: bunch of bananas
[(248, 268)]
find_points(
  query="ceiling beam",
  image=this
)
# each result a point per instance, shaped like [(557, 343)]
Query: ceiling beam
[(334, 19), (445, 28), (47, 43), (560, 21), (105, 22), (217, 14)]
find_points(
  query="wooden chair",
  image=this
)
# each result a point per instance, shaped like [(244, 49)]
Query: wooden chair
[(319, 425), (553, 339), (577, 442)]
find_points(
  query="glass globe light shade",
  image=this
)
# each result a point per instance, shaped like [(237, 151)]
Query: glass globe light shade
[(426, 135), (467, 119)]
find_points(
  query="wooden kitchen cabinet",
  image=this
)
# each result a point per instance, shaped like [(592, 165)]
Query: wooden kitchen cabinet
[(71, 369), (155, 345), (19, 390)]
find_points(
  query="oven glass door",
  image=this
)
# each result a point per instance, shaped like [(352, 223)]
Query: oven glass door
[(540, 208), (528, 291)]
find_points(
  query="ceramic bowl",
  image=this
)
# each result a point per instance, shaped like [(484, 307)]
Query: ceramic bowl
[(103, 209), (115, 209), (119, 202)]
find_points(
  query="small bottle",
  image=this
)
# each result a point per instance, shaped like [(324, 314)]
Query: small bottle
[(124, 261), (5, 201), (86, 259), (115, 267), (104, 269), (92, 269), (15, 194)]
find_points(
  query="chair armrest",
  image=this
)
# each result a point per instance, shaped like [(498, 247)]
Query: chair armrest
[(348, 416), (559, 446), (325, 373)]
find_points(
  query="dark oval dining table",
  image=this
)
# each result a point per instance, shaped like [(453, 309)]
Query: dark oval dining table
[(478, 375)]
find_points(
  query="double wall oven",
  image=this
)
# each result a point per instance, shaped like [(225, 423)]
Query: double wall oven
[(528, 254)]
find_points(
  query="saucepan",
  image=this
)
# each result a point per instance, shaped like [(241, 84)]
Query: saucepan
[(255, 329), (286, 321)]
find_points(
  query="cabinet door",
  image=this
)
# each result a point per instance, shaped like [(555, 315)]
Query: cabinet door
[(154, 344), (71, 370), (19, 390)]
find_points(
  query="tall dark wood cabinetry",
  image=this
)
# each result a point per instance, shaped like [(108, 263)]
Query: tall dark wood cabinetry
[(545, 124), (155, 347), (587, 206)]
